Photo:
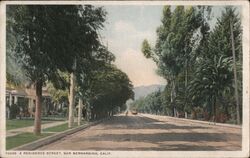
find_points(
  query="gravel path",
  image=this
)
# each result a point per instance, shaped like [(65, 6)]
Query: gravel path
[(149, 132)]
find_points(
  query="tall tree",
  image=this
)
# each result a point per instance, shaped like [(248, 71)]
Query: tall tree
[(213, 78), (76, 38), (174, 45), (27, 24), (226, 40)]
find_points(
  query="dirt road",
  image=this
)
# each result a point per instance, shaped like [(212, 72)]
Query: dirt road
[(150, 133)]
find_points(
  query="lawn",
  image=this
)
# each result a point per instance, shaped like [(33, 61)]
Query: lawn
[(58, 128), (13, 124), (23, 138)]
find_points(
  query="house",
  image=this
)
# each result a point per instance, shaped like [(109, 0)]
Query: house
[(25, 98)]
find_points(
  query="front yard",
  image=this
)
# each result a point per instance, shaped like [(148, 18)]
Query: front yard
[(27, 137)]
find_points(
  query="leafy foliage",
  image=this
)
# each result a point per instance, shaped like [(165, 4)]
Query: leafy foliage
[(108, 88), (55, 38), (146, 49), (196, 61)]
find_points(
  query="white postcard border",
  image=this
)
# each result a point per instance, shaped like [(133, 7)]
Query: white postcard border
[(158, 154)]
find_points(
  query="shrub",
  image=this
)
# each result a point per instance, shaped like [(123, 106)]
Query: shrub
[(65, 111), (14, 111)]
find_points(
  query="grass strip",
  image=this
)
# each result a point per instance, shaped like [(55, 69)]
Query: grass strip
[(59, 128), (13, 124), (24, 138)]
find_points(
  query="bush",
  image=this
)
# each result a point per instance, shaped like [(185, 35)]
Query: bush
[(65, 111), (14, 111)]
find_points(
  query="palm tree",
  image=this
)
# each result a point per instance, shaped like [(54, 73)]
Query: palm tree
[(211, 79)]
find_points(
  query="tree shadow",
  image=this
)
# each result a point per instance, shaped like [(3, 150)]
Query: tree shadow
[(179, 147), (136, 122), (162, 137), (158, 139)]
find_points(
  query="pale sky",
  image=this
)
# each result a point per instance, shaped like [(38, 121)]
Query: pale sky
[(125, 29)]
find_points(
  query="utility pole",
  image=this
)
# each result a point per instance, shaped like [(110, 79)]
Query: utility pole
[(235, 75)]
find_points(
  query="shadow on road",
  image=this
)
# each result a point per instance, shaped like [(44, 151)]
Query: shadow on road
[(143, 123), (134, 132), (179, 147), (161, 137)]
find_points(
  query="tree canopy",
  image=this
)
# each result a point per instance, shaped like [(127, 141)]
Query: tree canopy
[(197, 62), (108, 88), (54, 38)]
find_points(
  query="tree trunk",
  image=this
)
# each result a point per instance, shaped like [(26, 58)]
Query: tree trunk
[(235, 76), (92, 114), (71, 100), (194, 114), (171, 99), (214, 109), (10, 101), (37, 126), (186, 114), (173, 96), (79, 111), (186, 84), (88, 111)]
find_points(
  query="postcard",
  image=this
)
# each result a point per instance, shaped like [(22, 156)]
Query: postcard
[(123, 79)]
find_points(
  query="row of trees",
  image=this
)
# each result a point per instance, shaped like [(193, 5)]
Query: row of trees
[(153, 103), (202, 66), (60, 46)]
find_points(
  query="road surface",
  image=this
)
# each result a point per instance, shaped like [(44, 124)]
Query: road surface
[(149, 132)]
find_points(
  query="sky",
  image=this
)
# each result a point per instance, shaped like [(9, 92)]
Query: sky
[(125, 29)]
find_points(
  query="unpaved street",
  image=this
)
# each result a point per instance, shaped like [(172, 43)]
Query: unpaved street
[(149, 132)]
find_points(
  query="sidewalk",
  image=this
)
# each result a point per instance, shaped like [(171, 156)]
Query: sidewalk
[(17, 131)]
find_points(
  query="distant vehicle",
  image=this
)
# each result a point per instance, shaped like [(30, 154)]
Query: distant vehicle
[(134, 112)]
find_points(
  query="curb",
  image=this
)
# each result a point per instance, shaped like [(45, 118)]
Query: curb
[(198, 121), (50, 139)]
